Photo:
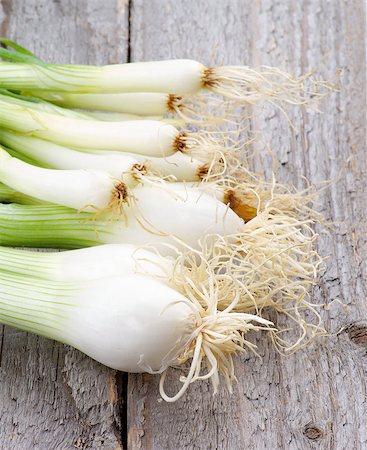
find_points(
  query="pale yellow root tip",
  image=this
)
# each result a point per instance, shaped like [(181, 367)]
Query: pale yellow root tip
[(248, 193)]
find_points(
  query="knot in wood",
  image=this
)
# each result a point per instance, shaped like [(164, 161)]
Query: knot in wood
[(313, 432), (357, 333)]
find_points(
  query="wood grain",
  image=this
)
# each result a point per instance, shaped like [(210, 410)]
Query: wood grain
[(316, 398), (52, 396)]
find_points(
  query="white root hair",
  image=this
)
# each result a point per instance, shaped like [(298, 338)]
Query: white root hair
[(245, 85), (204, 109), (274, 265), (218, 335), (236, 281)]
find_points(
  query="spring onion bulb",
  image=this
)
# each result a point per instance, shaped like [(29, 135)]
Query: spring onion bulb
[(130, 322), (54, 156), (126, 323), (147, 137), (179, 166), (90, 190), (182, 76), (137, 103), (223, 192), (159, 214)]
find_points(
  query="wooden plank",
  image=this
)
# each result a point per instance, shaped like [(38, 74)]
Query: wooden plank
[(316, 398), (54, 397)]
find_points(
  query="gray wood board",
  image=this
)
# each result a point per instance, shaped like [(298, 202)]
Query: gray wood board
[(54, 397), (316, 398)]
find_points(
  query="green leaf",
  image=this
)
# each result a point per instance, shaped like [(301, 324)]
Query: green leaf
[(16, 53)]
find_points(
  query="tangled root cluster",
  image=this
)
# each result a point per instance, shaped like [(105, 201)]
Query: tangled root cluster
[(235, 282)]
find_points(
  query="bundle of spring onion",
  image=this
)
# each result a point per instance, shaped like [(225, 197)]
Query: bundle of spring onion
[(229, 245), (90, 87), (146, 137), (273, 263)]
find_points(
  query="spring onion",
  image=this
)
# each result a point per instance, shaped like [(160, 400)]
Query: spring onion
[(147, 137), (33, 150), (129, 322), (272, 262), (58, 157), (10, 195), (121, 117), (182, 76), (155, 214), (80, 189), (38, 104), (139, 103)]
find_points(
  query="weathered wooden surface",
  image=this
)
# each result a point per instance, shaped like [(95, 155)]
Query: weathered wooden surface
[(52, 397), (317, 398)]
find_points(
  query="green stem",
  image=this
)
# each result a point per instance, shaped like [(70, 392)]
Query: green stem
[(17, 52), (29, 263), (35, 305), (22, 157), (38, 104), (55, 77), (10, 195), (53, 226)]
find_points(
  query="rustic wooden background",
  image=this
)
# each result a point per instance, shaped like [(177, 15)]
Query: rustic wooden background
[(53, 397)]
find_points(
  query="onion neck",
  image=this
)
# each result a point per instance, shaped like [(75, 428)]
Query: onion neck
[(34, 305)]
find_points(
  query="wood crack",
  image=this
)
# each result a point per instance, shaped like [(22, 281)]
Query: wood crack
[(2, 343), (7, 10), (122, 379), (130, 6)]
